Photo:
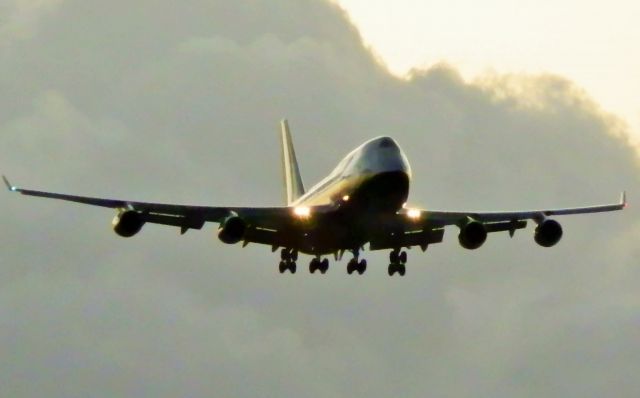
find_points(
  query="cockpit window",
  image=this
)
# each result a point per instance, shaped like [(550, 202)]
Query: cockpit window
[(386, 142)]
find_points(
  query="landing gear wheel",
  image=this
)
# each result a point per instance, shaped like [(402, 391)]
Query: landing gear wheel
[(293, 255), (392, 269), (282, 267), (402, 269), (362, 266), (313, 266), (351, 266), (324, 266), (403, 257), (292, 267), (284, 255), (393, 257)]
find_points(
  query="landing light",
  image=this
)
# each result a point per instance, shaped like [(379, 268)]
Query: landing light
[(414, 214), (345, 198), (302, 211)]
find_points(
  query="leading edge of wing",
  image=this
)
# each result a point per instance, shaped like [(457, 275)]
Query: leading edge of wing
[(453, 217), (208, 213)]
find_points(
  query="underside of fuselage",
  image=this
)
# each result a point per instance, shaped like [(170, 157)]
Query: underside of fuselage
[(354, 221)]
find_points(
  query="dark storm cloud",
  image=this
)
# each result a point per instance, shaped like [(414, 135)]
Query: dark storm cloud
[(180, 103)]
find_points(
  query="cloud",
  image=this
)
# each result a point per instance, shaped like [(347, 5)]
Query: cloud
[(20, 18), (181, 103)]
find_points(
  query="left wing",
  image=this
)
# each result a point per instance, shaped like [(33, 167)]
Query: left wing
[(262, 223)]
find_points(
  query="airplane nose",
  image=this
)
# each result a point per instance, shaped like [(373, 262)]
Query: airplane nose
[(386, 142)]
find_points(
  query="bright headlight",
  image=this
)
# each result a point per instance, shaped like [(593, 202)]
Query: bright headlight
[(413, 214), (302, 211)]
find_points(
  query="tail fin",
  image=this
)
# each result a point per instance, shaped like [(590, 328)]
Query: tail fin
[(292, 180)]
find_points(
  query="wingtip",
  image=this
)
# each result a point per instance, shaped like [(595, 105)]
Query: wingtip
[(623, 199), (8, 184)]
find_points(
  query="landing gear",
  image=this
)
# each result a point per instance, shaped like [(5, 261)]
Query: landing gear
[(399, 268), (288, 257), (320, 265), (356, 266), (397, 261)]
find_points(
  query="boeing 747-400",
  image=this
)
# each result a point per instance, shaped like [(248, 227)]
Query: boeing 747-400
[(362, 201)]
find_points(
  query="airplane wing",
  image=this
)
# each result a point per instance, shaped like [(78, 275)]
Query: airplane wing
[(443, 218), (418, 227), (264, 224)]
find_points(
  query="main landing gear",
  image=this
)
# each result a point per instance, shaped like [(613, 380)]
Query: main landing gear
[(355, 265), (397, 261), (288, 259), (319, 265)]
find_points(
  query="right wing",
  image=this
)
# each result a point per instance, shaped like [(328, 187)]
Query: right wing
[(417, 227), (443, 218)]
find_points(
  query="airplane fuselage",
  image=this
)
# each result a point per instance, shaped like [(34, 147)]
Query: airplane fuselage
[(375, 175), (371, 181)]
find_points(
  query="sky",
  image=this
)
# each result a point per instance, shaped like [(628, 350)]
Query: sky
[(180, 103), (591, 42)]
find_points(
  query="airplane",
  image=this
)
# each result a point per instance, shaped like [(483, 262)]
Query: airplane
[(362, 201)]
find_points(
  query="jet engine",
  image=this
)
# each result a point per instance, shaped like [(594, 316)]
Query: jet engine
[(127, 223), (548, 233), (232, 230), (472, 235)]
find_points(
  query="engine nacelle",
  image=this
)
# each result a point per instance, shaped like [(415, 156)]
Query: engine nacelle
[(127, 223), (472, 235), (232, 230), (548, 233)]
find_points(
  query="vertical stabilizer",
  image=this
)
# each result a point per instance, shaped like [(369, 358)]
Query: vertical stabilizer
[(292, 180)]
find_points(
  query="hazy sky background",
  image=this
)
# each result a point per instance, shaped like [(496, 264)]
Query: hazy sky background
[(180, 102), (592, 42)]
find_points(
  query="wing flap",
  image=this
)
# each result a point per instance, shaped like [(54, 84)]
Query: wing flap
[(392, 240)]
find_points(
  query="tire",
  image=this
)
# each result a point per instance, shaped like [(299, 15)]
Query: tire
[(403, 257), (392, 269), (350, 267), (282, 267), (313, 265), (324, 265), (362, 266)]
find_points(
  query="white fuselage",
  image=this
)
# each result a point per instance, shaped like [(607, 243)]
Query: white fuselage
[(375, 173)]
